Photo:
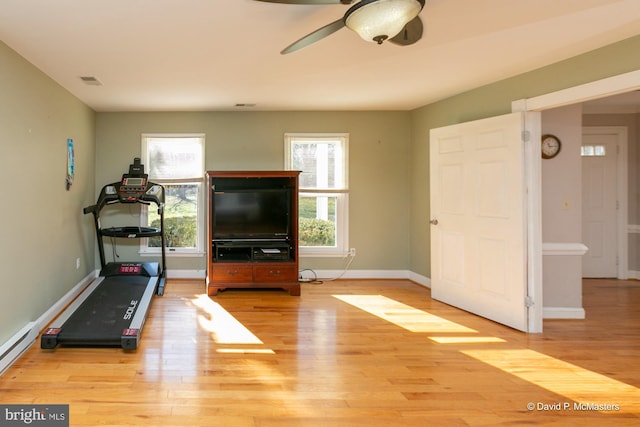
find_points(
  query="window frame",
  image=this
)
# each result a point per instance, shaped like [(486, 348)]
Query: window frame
[(199, 249), (341, 249)]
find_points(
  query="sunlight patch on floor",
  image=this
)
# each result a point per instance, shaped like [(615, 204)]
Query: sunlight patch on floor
[(244, 351), (224, 328), (585, 390), (405, 316), (573, 382), (466, 340)]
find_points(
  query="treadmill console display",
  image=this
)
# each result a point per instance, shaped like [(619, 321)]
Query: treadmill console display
[(131, 268), (131, 189), (134, 182)]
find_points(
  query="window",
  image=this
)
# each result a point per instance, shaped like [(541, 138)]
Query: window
[(593, 150), (176, 162), (324, 191)]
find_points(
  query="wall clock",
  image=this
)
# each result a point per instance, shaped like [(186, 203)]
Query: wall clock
[(551, 146)]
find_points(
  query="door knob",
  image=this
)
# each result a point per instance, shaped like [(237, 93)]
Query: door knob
[(434, 221)]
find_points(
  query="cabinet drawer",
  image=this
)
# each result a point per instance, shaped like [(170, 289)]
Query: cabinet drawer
[(230, 273), (274, 273)]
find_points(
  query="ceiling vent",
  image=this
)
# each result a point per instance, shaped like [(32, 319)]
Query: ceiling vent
[(91, 80)]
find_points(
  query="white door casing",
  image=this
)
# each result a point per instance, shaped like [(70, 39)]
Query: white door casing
[(479, 206)]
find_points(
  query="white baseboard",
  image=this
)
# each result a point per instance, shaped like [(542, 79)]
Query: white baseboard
[(563, 313), (633, 274), (370, 274), (420, 279), (358, 274), (186, 274)]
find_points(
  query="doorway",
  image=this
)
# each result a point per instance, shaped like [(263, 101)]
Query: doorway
[(604, 201), (597, 90), (600, 89)]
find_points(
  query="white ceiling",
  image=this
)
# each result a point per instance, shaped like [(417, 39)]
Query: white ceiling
[(188, 55)]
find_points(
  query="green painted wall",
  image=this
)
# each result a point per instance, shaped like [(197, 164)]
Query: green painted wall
[(378, 167), (43, 229)]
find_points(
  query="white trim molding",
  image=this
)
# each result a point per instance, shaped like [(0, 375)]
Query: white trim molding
[(597, 89), (564, 249), (362, 274), (563, 313), (186, 274), (420, 279), (368, 274)]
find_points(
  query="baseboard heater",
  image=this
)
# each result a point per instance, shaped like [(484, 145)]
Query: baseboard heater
[(17, 344)]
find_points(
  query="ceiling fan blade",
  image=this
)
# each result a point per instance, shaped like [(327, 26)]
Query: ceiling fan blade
[(309, 1), (411, 33), (314, 36)]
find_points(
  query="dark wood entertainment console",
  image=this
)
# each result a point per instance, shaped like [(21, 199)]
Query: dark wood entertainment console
[(244, 261)]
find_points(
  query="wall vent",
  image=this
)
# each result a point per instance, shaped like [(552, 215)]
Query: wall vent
[(91, 80)]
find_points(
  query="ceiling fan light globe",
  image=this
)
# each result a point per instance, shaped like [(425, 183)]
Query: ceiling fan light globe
[(378, 20)]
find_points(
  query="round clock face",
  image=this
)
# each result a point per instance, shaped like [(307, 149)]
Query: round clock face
[(550, 146)]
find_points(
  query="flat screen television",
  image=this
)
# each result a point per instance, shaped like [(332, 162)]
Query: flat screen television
[(251, 214)]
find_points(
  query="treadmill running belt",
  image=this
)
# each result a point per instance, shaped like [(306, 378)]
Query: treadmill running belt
[(108, 311)]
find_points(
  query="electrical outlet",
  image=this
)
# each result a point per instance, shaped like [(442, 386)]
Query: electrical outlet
[(352, 252)]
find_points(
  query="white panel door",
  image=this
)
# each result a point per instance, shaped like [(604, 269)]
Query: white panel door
[(599, 213), (479, 213)]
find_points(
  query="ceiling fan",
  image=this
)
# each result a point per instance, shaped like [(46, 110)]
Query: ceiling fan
[(373, 20)]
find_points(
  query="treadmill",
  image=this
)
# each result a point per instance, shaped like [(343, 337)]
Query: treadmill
[(112, 310)]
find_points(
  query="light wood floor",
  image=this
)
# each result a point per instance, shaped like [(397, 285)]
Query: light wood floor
[(346, 353)]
